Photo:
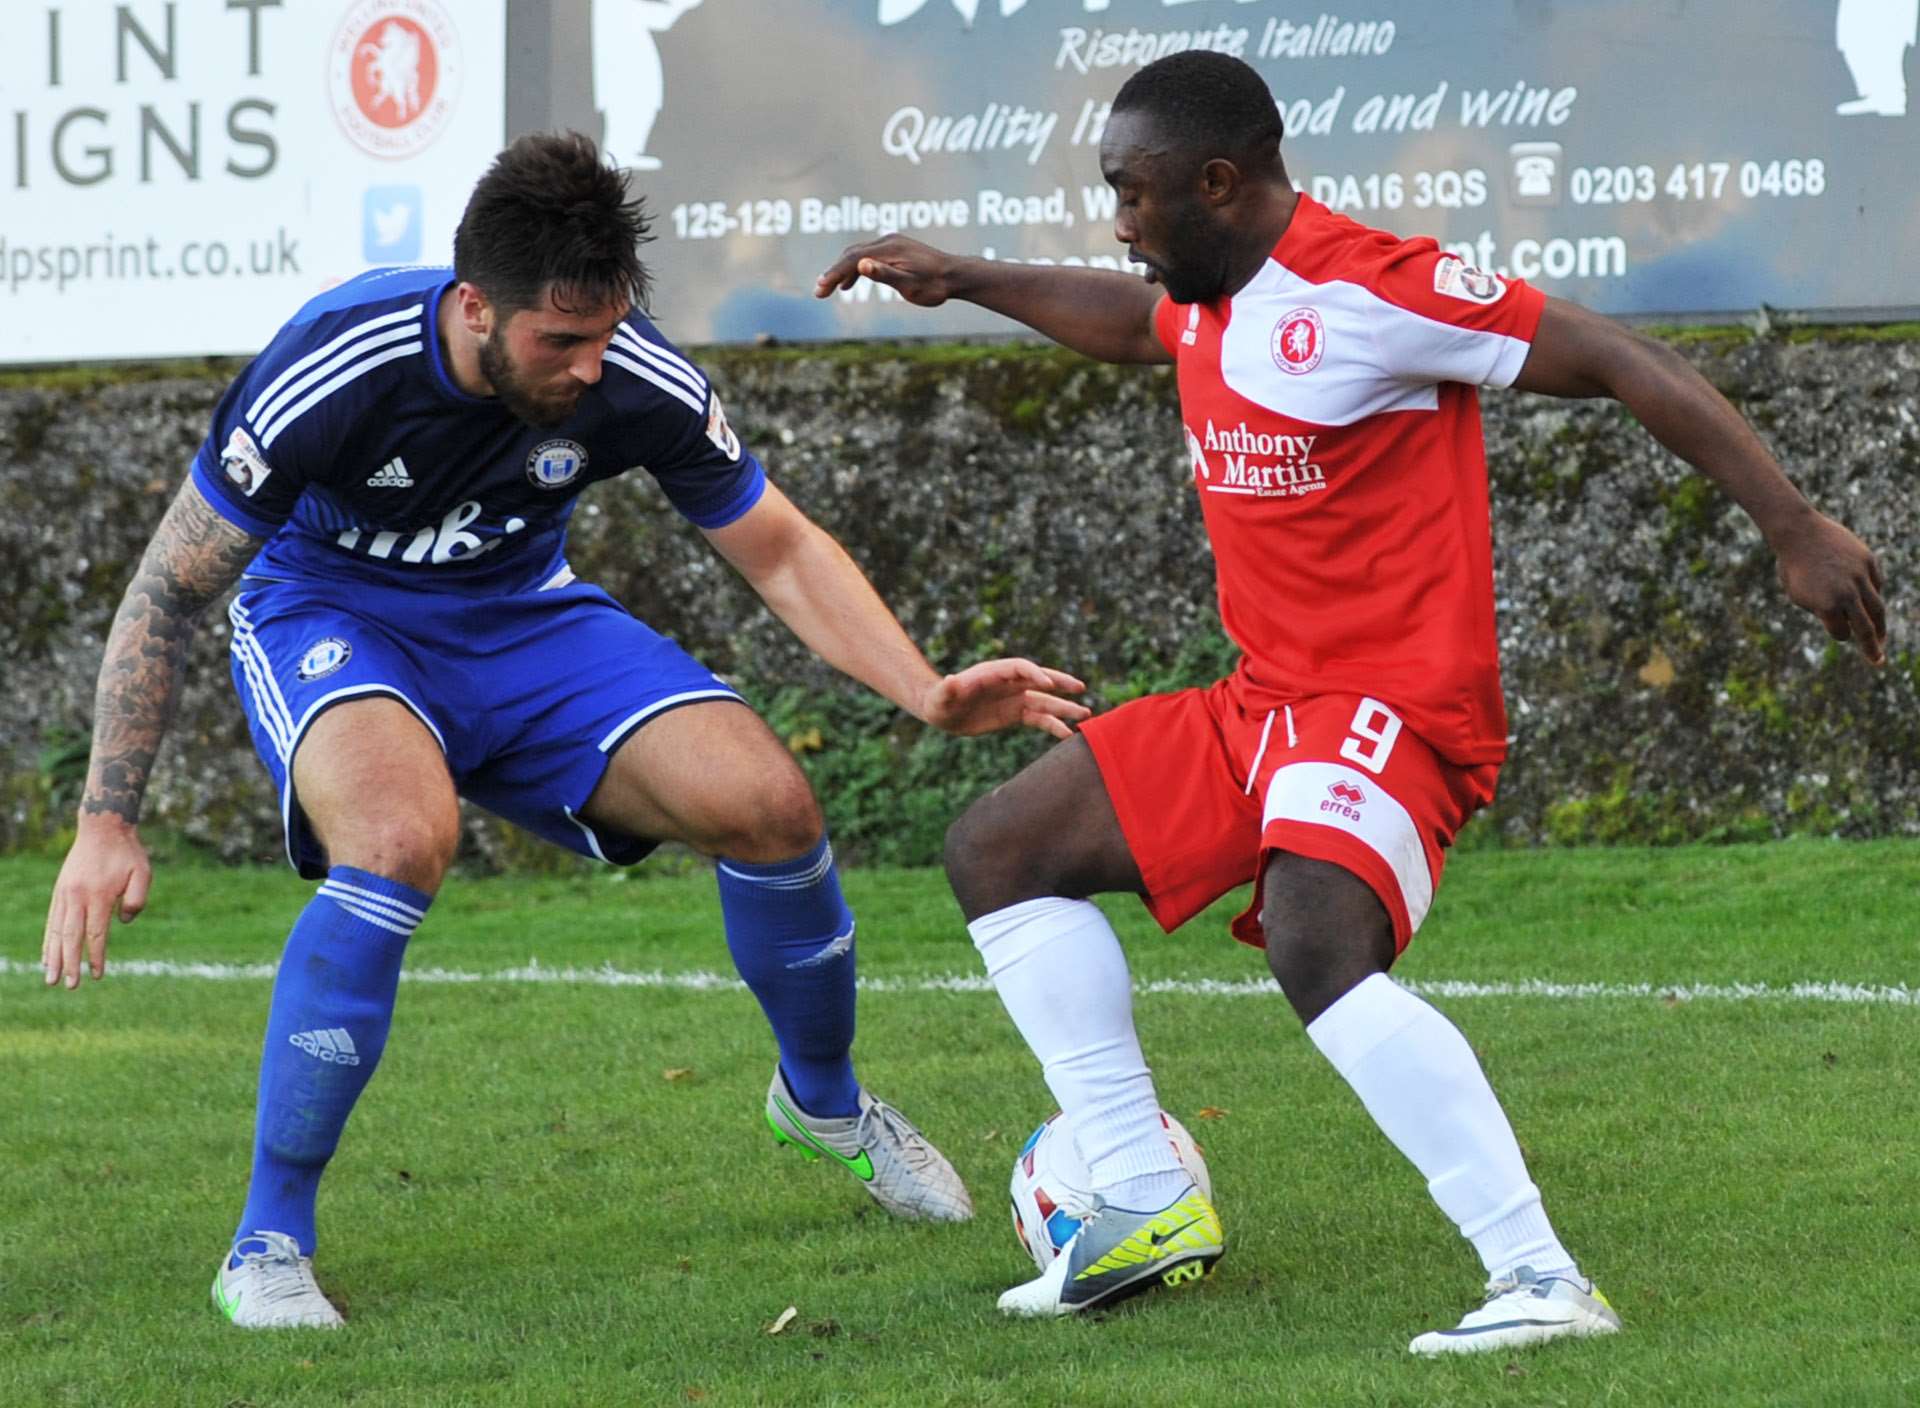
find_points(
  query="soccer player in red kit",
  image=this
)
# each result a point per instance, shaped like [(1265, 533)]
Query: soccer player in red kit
[(1327, 377)]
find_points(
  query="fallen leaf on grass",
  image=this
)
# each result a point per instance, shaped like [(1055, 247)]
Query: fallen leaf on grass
[(676, 1072), (1212, 1112), (786, 1319)]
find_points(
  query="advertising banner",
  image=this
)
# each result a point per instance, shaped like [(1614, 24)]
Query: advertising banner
[(1705, 158), (178, 176)]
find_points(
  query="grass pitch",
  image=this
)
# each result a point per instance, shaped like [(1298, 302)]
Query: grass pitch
[(558, 1189)]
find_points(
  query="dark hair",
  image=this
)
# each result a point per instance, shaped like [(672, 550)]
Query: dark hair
[(1209, 104), (550, 211)]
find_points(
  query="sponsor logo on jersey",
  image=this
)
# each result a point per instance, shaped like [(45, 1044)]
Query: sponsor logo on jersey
[(1466, 283), (718, 431), (323, 657), (1345, 800), (243, 462), (1202, 471), (1299, 341), (391, 475), (393, 74), (1254, 464), (554, 464)]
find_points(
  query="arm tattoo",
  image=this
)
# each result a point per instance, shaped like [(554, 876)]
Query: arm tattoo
[(194, 556)]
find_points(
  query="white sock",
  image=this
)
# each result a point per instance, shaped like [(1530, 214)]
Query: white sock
[(1063, 979), (1423, 1086)]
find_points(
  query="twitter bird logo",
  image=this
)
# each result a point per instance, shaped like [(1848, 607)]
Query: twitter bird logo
[(390, 225)]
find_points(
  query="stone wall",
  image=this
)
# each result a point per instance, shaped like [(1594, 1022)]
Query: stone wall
[(1013, 498)]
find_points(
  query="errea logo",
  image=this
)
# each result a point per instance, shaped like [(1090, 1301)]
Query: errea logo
[(1344, 800)]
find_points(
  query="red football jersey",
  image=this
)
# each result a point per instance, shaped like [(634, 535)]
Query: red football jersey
[(1335, 436)]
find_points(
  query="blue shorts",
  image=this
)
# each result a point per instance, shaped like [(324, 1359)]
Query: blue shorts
[(528, 694)]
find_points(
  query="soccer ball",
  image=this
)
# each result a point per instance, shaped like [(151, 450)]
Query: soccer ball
[(1050, 1184)]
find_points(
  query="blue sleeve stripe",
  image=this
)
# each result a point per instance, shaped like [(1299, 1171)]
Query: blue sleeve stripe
[(402, 315), (696, 403), (662, 359), (203, 479), (749, 495)]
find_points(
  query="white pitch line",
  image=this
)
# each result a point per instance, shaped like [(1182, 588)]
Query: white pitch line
[(607, 976)]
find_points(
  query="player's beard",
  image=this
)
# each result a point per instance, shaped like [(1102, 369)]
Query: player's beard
[(1202, 250), (523, 400)]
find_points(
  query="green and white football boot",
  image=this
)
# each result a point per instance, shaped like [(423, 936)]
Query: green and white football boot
[(272, 1288), (893, 1161), (1121, 1252)]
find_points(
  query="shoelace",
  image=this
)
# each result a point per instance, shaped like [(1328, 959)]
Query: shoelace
[(1524, 1279), (283, 1274), (881, 1120)]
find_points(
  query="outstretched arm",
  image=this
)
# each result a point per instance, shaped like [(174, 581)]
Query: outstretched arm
[(823, 596), (1825, 568), (1103, 313), (194, 556)]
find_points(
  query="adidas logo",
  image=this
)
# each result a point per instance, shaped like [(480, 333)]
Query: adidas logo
[(332, 1045), (391, 475)]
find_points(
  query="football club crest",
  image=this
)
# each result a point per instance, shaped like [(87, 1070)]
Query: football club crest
[(324, 657), (393, 73), (554, 464), (1299, 341)]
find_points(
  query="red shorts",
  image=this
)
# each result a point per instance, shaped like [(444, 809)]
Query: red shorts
[(1206, 790)]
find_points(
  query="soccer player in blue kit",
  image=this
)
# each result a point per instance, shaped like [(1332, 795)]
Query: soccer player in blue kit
[(390, 482)]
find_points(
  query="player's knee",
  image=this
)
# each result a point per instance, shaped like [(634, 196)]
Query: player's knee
[(990, 859), (968, 848), (779, 821), (1306, 964), (1326, 933), (415, 848)]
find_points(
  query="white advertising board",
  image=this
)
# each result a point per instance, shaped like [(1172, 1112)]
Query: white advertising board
[(178, 176)]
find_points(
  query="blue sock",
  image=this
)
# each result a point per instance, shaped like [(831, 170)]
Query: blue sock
[(791, 936), (332, 1006)]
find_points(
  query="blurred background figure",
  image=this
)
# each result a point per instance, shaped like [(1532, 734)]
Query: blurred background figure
[(629, 83), (1874, 36)]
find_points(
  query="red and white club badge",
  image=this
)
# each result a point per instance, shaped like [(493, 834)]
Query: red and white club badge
[(393, 74), (1299, 341)]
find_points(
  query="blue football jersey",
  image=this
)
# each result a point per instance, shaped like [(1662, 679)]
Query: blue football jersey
[(347, 445)]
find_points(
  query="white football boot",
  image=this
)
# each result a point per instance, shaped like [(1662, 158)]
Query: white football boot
[(894, 1162), (1120, 1252), (273, 1287), (1525, 1309)]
